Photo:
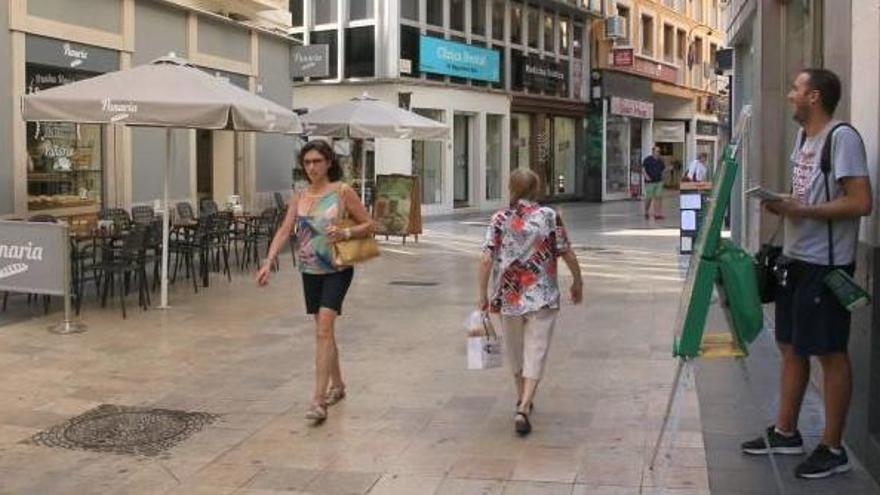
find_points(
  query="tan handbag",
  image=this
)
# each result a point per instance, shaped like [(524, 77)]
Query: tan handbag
[(352, 251)]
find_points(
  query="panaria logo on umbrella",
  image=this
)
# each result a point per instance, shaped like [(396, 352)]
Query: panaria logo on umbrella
[(122, 110), (27, 252)]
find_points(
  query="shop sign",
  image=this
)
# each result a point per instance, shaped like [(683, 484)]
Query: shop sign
[(58, 53), (458, 59), (668, 132), (651, 69), (32, 257), (623, 57), (542, 74), (632, 108), (310, 61), (707, 128)]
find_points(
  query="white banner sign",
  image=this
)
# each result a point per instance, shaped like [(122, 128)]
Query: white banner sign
[(632, 108), (668, 132)]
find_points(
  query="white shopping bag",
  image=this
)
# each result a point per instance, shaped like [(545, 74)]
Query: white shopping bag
[(483, 343)]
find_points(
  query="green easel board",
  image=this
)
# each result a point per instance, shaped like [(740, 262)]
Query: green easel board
[(704, 270)]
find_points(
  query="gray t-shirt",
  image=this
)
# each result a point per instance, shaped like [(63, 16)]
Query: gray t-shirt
[(806, 239)]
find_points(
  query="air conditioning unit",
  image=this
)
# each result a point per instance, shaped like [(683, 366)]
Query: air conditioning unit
[(615, 27)]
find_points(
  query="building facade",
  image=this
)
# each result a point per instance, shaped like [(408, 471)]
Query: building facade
[(508, 77), (654, 83), (772, 42), (66, 169)]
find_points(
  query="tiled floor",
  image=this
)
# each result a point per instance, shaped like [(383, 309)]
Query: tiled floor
[(415, 420)]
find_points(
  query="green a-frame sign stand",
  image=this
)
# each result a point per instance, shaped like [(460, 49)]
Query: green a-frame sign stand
[(715, 265)]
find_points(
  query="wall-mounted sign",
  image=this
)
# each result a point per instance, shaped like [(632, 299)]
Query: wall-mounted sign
[(651, 69), (310, 61), (58, 53), (632, 108), (458, 59), (667, 131), (707, 128), (542, 74), (623, 57), (405, 66)]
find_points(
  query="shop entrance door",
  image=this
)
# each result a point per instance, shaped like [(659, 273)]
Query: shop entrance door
[(461, 147), (707, 147)]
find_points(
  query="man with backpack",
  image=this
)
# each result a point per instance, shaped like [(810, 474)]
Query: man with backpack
[(830, 192)]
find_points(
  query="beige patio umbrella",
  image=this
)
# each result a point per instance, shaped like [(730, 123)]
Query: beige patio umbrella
[(169, 92), (365, 117)]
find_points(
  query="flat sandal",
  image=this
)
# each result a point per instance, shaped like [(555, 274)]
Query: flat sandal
[(317, 413), (334, 395)]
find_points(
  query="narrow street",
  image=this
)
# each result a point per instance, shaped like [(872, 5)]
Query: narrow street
[(415, 420)]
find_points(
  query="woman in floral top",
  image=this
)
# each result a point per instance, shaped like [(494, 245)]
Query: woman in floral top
[(520, 252)]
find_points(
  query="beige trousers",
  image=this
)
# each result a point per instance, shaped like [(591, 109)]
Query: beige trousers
[(527, 340)]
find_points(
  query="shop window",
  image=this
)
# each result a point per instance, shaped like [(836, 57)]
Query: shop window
[(549, 33), (494, 143), (668, 43), (623, 12), (324, 12), (501, 80), (517, 63), (516, 24), (360, 48), (456, 15), (427, 162), (434, 12), (409, 49), (577, 42), (478, 17), (681, 43), (328, 38), (564, 34), (520, 141), (648, 35), (296, 12), (533, 24), (498, 20), (65, 165), (409, 9), (360, 9)]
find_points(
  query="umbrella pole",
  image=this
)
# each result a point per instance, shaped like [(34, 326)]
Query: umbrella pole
[(166, 217), (363, 163)]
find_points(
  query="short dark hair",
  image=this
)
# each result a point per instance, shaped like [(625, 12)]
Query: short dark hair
[(828, 85), (334, 173)]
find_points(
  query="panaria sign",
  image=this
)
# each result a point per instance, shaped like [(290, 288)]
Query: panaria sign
[(32, 257)]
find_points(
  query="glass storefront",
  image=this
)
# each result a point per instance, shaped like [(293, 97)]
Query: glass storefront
[(65, 165), (707, 147), (427, 162), (494, 143), (563, 155), (617, 156), (520, 135)]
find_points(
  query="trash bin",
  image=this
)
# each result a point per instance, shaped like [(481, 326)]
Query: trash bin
[(740, 284)]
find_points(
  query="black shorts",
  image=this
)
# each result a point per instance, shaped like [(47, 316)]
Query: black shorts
[(808, 314), (327, 290)]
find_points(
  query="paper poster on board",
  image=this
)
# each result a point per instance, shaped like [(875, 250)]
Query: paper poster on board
[(397, 209)]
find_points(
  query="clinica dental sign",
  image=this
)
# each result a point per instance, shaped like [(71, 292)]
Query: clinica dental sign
[(458, 59)]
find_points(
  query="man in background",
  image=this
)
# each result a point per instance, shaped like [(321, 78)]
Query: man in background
[(652, 171)]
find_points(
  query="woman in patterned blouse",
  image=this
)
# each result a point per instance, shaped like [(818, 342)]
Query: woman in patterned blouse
[(520, 252)]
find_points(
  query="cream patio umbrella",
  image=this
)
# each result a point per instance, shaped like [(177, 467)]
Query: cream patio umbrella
[(169, 92), (365, 117)]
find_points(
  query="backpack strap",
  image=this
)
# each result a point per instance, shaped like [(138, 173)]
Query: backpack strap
[(825, 164)]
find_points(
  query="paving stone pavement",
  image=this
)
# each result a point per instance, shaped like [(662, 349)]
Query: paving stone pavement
[(415, 420)]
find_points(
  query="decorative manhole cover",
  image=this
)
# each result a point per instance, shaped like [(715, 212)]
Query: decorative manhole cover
[(124, 430), (412, 283)]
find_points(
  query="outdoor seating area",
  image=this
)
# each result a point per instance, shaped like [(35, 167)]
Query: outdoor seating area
[(117, 253)]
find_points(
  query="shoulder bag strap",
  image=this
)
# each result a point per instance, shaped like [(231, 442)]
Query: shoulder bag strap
[(826, 166), (342, 211)]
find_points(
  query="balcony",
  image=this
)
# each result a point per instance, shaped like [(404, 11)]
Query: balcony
[(268, 14)]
